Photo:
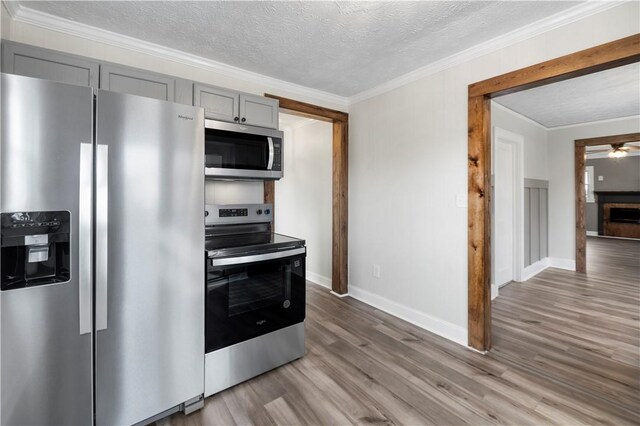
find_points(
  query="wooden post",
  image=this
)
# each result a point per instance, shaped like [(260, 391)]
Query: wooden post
[(340, 207)]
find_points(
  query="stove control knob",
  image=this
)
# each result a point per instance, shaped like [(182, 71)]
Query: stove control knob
[(267, 211), (259, 211)]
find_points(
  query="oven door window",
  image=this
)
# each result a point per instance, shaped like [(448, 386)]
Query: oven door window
[(246, 301), (230, 150)]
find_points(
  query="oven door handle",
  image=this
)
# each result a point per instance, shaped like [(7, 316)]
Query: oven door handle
[(257, 257), (271, 153)]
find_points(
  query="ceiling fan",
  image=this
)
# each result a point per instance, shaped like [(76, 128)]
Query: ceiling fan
[(617, 150)]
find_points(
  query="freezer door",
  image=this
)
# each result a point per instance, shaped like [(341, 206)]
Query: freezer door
[(45, 330), (149, 257)]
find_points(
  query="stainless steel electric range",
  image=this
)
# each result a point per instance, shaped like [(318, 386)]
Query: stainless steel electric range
[(255, 295)]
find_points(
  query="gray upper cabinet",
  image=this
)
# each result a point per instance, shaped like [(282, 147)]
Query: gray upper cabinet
[(228, 105), (35, 62), (145, 83), (218, 103), (259, 111)]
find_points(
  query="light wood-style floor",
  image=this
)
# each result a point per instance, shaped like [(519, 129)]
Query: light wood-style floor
[(566, 351)]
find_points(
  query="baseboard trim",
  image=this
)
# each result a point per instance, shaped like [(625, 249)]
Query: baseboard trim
[(339, 295), (592, 233), (319, 279), (432, 324), (534, 269), (560, 263)]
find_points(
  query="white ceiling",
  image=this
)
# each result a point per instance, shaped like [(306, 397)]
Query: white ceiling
[(343, 48), (605, 95)]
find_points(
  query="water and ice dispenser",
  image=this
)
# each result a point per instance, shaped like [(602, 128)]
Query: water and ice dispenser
[(35, 249)]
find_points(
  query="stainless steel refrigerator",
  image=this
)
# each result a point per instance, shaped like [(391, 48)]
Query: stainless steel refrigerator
[(102, 300)]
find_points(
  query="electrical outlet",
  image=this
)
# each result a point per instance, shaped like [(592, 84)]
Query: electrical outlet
[(600, 178), (376, 271)]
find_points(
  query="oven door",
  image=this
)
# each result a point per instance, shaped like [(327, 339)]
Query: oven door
[(236, 151), (253, 295)]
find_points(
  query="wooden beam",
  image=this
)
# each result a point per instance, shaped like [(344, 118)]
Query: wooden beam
[(270, 198), (340, 207), (304, 109), (598, 58), (479, 218), (608, 140), (581, 227)]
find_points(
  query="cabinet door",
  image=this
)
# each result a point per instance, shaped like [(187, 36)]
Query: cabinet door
[(218, 103), (35, 62), (259, 111), (142, 83)]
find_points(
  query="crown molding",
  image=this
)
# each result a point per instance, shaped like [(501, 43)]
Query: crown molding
[(565, 17), (589, 123), (497, 105), (12, 7), (21, 13)]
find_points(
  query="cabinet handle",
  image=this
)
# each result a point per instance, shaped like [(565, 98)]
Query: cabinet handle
[(236, 118), (243, 119)]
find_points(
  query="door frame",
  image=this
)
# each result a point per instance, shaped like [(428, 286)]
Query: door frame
[(581, 197), (517, 141), (599, 58), (340, 182)]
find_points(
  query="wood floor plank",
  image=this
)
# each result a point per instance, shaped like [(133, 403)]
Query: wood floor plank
[(566, 351)]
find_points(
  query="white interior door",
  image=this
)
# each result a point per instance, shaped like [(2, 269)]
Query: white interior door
[(504, 217)]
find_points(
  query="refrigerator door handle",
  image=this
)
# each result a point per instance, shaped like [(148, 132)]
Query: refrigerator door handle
[(102, 222), (85, 236)]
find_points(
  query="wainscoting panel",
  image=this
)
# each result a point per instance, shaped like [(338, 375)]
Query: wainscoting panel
[(536, 241)]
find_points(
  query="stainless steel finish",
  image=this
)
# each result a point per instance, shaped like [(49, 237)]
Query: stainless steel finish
[(257, 257), (222, 173), (213, 214), (243, 128), (150, 358), (85, 237), (45, 373), (219, 172), (38, 253), (36, 239), (102, 233), (193, 405), (234, 364), (271, 152)]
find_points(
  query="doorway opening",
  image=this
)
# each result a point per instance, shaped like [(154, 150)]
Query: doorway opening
[(340, 176), (610, 55)]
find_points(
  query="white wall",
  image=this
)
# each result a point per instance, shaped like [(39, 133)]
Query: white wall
[(303, 196), (535, 140), (408, 160), (562, 232)]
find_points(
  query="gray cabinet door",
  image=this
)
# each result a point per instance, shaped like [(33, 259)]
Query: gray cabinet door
[(144, 83), (218, 103), (259, 111), (35, 62)]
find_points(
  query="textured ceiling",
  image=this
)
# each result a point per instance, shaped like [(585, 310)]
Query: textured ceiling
[(338, 47), (608, 94)]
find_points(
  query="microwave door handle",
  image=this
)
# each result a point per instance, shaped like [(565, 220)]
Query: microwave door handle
[(271, 153)]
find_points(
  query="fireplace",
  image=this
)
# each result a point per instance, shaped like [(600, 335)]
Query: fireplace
[(619, 214)]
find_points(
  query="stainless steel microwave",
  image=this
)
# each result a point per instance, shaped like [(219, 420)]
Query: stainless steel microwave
[(238, 151)]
